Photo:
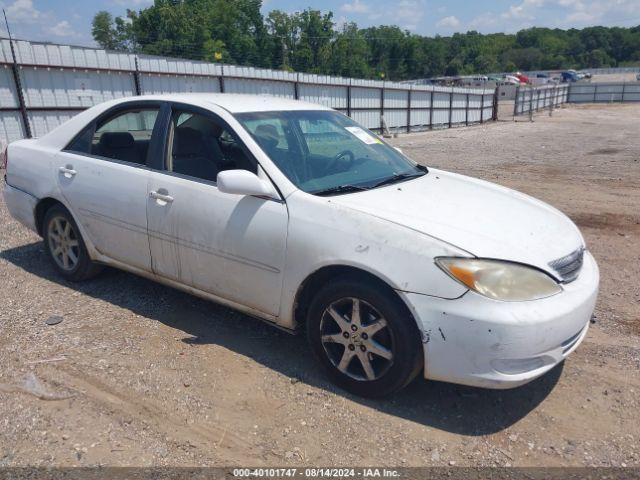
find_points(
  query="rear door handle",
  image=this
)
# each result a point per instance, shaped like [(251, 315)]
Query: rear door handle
[(162, 197), (67, 171)]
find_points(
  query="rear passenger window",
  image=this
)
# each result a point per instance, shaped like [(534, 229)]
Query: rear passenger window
[(201, 148), (125, 136)]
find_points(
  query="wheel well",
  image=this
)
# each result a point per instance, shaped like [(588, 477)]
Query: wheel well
[(321, 277), (41, 210)]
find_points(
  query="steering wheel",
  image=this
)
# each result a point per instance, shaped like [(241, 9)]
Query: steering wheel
[(336, 160)]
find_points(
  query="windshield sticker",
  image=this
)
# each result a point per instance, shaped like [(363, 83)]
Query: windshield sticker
[(362, 135)]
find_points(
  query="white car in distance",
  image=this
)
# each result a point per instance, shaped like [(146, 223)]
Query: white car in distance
[(294, 213)]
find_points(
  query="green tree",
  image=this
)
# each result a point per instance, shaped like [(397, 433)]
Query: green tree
[(109, 33), (235, 31)]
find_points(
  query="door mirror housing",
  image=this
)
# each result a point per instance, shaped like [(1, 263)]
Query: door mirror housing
[(243, 182)]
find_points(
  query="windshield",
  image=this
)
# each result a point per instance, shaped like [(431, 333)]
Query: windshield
[(325, 152)]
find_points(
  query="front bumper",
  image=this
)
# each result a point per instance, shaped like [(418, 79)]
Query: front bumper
[(21, 205), (481, 342)]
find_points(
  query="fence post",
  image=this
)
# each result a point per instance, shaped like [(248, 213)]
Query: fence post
[(466, 111), (516, 104), (221, 78), (451, 107), (349, 99), (409, 110), (431, 110), (494, 113), (296, 93), (531, 104), (382, 109), (482, 107), (595, 93), (624, 88), (16, 80), (136, 77)]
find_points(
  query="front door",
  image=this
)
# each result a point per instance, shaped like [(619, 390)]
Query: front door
[(232, 246), (103, 175)]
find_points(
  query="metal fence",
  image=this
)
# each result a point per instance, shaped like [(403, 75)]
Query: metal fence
[(604, 92), (43, 85), (612, 70), (534, 99)]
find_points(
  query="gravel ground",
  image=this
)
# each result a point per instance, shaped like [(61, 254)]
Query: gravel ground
[(140, 374)]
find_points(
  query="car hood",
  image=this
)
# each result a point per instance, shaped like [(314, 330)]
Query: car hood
[(482, 218)]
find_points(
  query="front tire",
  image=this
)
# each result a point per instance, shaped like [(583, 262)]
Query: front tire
[(65, 247), (364, 336)]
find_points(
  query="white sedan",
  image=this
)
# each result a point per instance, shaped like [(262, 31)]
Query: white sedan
[(294, 213)]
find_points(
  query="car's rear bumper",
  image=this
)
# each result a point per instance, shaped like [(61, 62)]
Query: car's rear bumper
[(21, 205), (486, 343)]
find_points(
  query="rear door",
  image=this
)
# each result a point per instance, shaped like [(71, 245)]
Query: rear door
[(232, 246), (104, 176)]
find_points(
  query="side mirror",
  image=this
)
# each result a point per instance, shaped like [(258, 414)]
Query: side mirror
[(243, 182)]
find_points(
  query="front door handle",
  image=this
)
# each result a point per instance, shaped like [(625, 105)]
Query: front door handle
[(67, 171), (161, 196)]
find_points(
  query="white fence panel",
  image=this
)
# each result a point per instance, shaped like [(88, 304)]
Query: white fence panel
[(420, 99), (395, 118), (5, 51), (159, 84), (365, 97), (367, 118), (259, 87), (604, 92), (65, 88), (11, 126), (43, 122), (396, 98), (154, 64), (420, 118), (8, 94), (328, 95), (29, 53)]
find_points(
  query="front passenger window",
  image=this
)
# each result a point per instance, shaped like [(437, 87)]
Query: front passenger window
[(202, 148)]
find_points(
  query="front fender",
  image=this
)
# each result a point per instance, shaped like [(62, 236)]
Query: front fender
[(323, 233)]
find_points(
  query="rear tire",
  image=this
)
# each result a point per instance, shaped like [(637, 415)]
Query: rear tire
[(65, 247), (365, 337)]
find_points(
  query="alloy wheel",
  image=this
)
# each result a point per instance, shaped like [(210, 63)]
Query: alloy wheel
[(357, 339), (63, 243)]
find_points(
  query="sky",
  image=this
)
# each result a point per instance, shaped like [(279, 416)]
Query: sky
[(69, 21)]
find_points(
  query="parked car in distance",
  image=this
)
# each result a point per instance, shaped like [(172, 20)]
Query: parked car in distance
[(296, 214), (511, 80), (569, 77)]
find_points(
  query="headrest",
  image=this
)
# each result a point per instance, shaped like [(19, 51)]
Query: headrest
[(268, 135), (117, 140), (187, 141)]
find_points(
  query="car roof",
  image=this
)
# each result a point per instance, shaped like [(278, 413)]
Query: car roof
[(233, 102)]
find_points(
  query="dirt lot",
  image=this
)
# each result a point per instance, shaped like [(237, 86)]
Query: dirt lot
[(140, 374)]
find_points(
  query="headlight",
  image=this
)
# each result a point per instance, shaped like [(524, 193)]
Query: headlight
[(500, 280)]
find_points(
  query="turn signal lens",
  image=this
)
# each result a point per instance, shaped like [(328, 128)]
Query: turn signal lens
[(500, 280)]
